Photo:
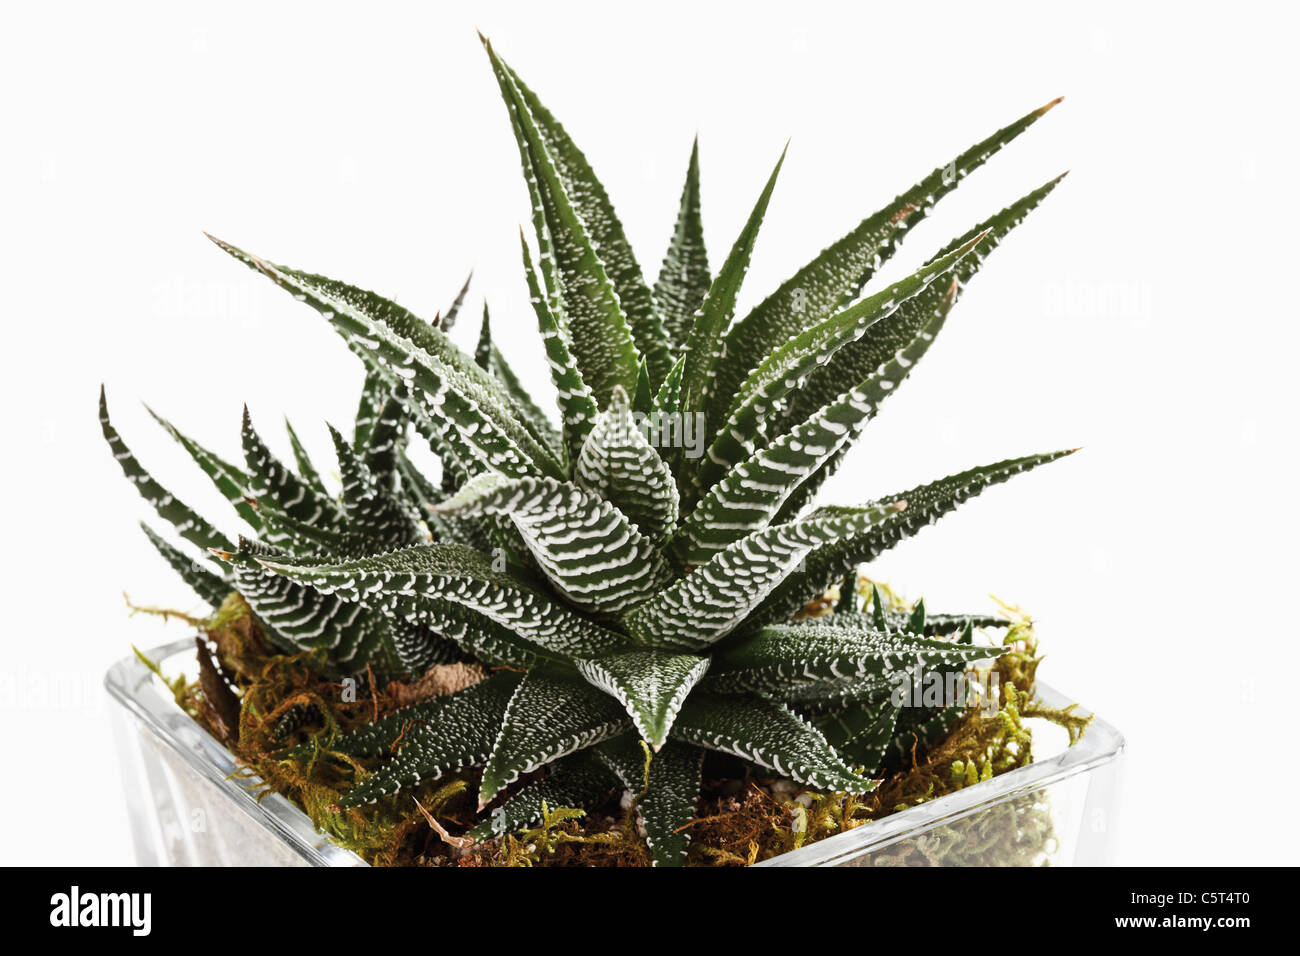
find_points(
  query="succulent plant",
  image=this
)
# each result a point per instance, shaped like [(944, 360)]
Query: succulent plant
[(634, 576)]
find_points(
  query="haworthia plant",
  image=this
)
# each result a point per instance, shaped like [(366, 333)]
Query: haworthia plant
[(636, 565)]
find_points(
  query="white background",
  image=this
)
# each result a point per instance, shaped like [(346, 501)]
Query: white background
[(1146, 312)]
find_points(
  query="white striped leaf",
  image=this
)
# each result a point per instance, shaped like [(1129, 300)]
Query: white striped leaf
[(551, 714), (752, 493), (684, 278), (586, 547), (527, 410), (299, 618), (709, 324), (442, 736), (379, 737), (399, 581), (668, 794), (575, 275), (576, 781), (447, 320), (594, 208), (578, 408), (787, 369), (668, 400), (794, 661), (212, 588), (861, 357), (926, 503), (706, 605), (269, 478), (651, 685), (861, 732), (451, 398), (232, 482), (388, 436), (187, 522), (618, 463), (475, 634), (769, 734), (372, 509), (837, 275)]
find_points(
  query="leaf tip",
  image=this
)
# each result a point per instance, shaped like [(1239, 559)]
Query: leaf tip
[(1048, 106)]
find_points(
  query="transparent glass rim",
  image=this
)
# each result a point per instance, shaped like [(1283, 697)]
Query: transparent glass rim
[(135, 687)]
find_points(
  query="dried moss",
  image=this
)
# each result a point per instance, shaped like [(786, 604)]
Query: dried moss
[(284, 700)]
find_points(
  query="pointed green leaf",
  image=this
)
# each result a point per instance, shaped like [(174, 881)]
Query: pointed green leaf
[(859, 358), (848, 602), (416, 648), (400, 581), (183, 518), (440, 736), (879, 609), (916, 620), (578, 781), (651, 686), (575, 274), (768, 734), (551, 714), (212, 588), (526, 410), (917, 730), (372, 509), (704, 342), (374, 393), (424, 495), (228, 479), (477, 635), (785, 371), (299, 618), (578, 409), (643, 400), (455, 403), (597, 213), (668, 400), (684, 278), (668, 794), (751, 495), (925, 505), (710, 602), (836, 276), (861, 732), (586, 547), (448, 319), (796, 661), (618, 464), (269, 478), (488, 697), (483, 351)]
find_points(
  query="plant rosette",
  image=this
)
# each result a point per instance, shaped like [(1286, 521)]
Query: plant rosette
[(630, 586)]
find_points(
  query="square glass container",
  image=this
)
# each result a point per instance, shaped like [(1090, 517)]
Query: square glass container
[(187, 808)]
